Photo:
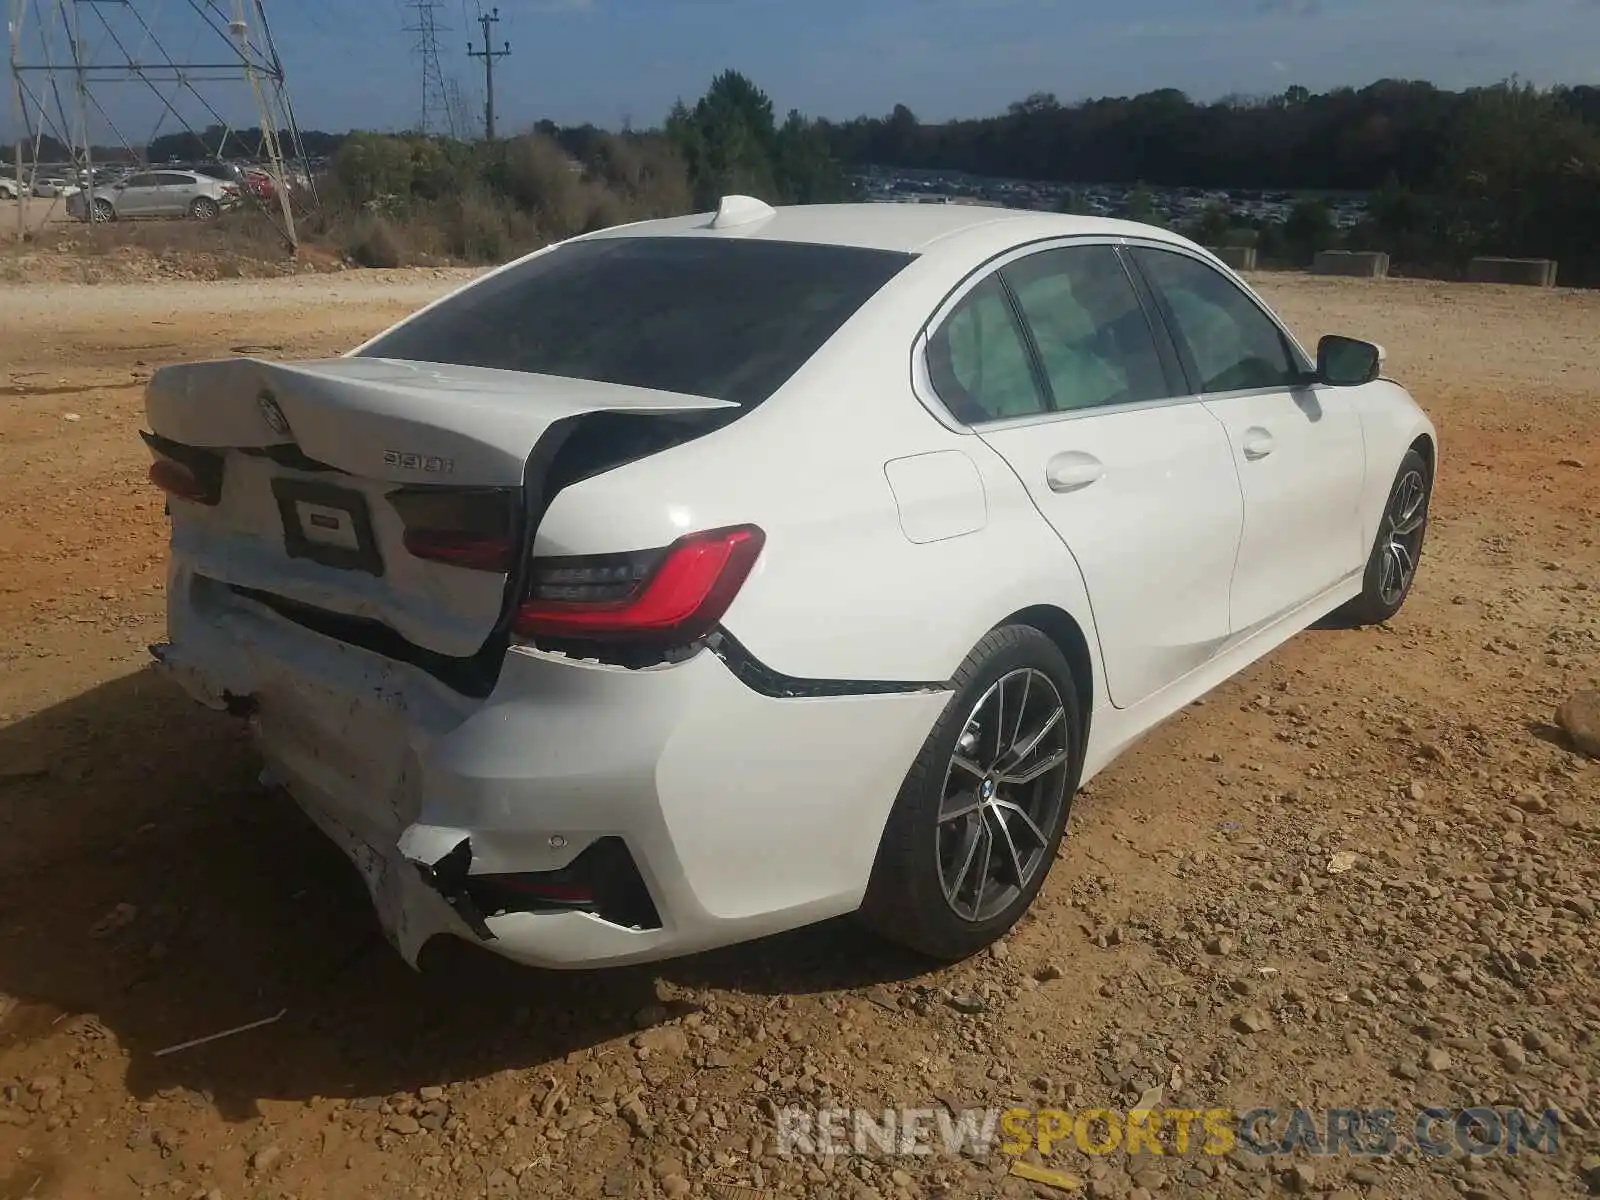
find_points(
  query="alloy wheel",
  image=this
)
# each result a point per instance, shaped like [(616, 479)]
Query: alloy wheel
[(1003, 794), (1402, 542)]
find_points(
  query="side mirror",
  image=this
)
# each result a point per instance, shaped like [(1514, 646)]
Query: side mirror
[(1347, 362)]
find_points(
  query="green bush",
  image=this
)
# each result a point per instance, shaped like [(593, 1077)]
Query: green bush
[(395, 199)]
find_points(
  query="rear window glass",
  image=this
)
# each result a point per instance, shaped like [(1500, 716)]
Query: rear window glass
[(730, 319)]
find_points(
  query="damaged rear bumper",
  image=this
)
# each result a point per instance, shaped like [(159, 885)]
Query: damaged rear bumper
[(581, 815)]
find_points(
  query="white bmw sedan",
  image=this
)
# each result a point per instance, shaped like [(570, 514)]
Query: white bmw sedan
[(702, 578)]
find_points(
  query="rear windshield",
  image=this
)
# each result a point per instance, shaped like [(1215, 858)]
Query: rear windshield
[(706, 316)]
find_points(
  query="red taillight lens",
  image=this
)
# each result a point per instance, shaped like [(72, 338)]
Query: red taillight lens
[(180, 480), (677, 594), (473, 528), (462, 549)]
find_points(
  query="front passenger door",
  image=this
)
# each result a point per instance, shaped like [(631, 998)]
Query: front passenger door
[(1136, 479), (1298, 447)]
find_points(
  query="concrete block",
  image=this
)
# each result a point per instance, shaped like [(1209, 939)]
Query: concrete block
[(1240, 258), (1362, 264), (1529, 272)]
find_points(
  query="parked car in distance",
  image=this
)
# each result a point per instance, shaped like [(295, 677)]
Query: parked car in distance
[(160, 193), (226, 171), (9, 189), (263, 186), (701, 578)]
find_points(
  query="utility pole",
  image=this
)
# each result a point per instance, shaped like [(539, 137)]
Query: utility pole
[(75, 36), (21, 116), (488, 54)]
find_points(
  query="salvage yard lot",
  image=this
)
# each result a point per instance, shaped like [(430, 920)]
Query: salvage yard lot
[(1191, 938)]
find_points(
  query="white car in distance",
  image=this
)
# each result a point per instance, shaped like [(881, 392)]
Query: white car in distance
[(702, 578)]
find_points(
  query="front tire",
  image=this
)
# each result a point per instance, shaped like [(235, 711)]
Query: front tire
[(981, 813), (102, 213), (205, 209), (1392, 566)]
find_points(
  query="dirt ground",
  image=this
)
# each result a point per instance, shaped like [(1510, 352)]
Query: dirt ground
[(1365, 873), (37, 212)]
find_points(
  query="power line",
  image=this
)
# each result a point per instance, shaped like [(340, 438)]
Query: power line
[(488, 54)]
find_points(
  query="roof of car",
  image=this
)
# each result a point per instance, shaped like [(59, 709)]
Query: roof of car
[(909, 228)]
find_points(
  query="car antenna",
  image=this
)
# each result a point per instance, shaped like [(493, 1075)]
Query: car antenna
[(741, 210)]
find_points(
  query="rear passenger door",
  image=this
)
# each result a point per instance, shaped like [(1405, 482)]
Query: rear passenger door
[(138, 196), (1053, 360), (1298, 447), (175, 194)]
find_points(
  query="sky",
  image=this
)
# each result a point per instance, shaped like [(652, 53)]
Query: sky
[(349, 63)]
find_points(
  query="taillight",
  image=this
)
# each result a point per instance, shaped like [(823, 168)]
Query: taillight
[(185, 472), (674, 595), (473, 528), (462, 549)]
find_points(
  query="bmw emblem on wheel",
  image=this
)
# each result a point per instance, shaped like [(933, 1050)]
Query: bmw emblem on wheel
[(273, 414)]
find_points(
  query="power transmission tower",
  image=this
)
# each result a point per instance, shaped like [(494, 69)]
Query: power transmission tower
[(436, 116), (66, 54), (488, 54), (459, 118)]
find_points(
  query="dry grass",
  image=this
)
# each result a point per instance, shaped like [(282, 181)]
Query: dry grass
[(390, 203), (247, 233), (237, 245)]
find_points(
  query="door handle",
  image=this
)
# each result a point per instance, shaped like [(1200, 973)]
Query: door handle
[(1071, 470), (1258, 443)]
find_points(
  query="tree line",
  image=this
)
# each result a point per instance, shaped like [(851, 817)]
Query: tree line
[(1508, 169), (487, 201)]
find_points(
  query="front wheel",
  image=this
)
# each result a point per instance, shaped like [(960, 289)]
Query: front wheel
[(102, 212), (1392, 566), (205, 209), (980, 816)]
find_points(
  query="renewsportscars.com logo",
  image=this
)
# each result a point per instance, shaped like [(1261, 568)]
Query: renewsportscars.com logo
[(978, 1132)]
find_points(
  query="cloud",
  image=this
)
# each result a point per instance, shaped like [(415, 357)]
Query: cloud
[(1290, 8)]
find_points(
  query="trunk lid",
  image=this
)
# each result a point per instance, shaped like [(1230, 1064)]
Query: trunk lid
[(321, 464)]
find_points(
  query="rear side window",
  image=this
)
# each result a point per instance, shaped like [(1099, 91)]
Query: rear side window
[(705, 316), (1093, 337), (978, 362)]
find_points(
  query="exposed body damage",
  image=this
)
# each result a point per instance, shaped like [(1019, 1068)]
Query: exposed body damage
[(401, 772), (684, 583), (412, 765)]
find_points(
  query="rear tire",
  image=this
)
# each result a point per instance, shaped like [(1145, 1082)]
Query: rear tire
[(205, 209), (1397, 552), (982, 811)]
